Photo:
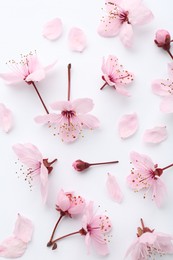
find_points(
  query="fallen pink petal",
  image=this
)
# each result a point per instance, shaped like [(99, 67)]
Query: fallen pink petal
[(6, 118), (113, 189), (128, 125), (155, 135), (77, 40), (53, 29), (16, 245)]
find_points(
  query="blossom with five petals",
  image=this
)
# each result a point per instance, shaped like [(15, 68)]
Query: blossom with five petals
[(15, 245), (114, 75), (121, 17), (94, 228), (73, 117), (69, 204), (164, 88), (149, 243), (28, 69), (31, 157), (146, 175)]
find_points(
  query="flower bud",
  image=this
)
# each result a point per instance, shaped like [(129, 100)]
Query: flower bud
[(163, 39), (80, 165)]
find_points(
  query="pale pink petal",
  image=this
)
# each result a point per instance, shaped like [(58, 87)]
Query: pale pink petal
[(164, 242), (89, 121), (155, 135), (166, 105), (77, 206), (101, 221), (63, 201), (141, 162), (12, 247), (44, 182), (140, 15), (77, 39), (50, 66), (82, 105), (49, 118), (28, 154), (162, 87), (159, 192), (126, 35), (133, 184), (37, 75), (62, 105), (113, 188), (23, 229), (109, 27), (128, 125), (6, 118), (88, 242), (53, 29), (11, 78), (121, 90), (100, 244)]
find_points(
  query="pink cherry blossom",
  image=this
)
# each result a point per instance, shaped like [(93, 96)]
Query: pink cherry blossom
[(121, 17), (69, 204), (150, 243), (95, 228), (146, 175), (128, 125), (15, 245), (6, 118), (28, 69), (113, 189), (155, 135), (53, 29), (164, 88), (77, 40), (72, 119), (114, 75), (163, 39), (38, 167)]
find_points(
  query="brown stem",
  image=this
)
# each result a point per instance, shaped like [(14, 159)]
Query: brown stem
[(40, 97), (53, 232), (103, 163), (170, 54), (69, 81), (53, 161), (167, 167), (142, 224), (70, 234), (103, 85)]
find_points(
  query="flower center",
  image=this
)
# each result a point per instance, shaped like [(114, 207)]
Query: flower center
[(123, 16), (68, 113)]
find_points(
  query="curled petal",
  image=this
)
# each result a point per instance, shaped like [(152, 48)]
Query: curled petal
[(6, 118), (166, 105), (155, 135), (114, 189), (77, 40), (128, 125), (23, 229), (12, 247), (53, 29)]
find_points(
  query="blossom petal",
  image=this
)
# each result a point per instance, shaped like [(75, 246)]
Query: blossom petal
[(126, 35), (49, 118), (11, 78), (6, 118), (162, 87), (166, 105), (155, 135), (77, 40), (28, 154), (53, 29), (108, 27), (170, 70), (140, 14), (89, 121), (100, 244), (50, 66), (44, 182), (159, 192), (23, 229), (37, 75), (128, 125), (82, 105), (114, 189), (63, 201), (12, 247), (141, 162), (62, 105)]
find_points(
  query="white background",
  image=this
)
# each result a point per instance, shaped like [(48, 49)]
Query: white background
[(21, 24)]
